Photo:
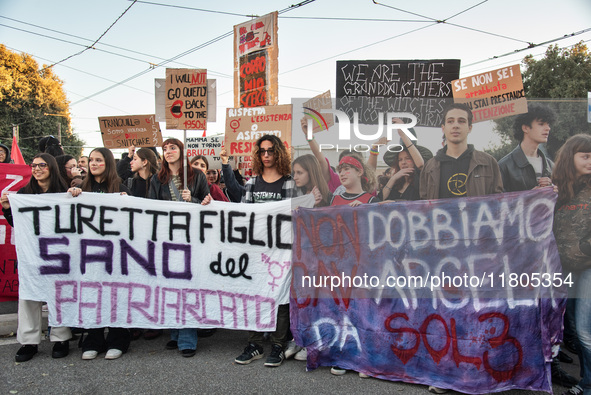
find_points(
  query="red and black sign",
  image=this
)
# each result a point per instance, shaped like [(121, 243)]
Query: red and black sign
[(253, 79)]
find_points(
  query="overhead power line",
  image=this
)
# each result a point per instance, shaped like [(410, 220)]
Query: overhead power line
[(532, 46), (200, 46), (445, 21), (197, 9), (78, 70), (358, 48), (127, 50), (96, 41)]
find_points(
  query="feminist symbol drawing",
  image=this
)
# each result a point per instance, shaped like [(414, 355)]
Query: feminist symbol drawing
[(278, 272), (235, 124)]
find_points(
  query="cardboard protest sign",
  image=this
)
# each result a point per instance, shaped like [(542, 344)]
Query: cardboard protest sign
[(245, 165), (465, 294), (420, 87), (244, 126), (255, 62), (209, 146), (160, 99), (111, 260), (312, 113), (186, 99), (127, 130), (491, 95), (12, 178)]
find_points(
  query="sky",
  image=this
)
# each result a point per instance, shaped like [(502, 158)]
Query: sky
[(311, 38)]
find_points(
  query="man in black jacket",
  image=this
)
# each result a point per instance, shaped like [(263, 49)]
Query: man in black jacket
[(526, 167)]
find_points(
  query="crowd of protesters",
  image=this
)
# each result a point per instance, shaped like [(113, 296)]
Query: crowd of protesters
[(456, 170)]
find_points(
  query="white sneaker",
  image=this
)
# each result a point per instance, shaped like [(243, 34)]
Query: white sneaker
[(90, 354), (337, 371), (437, 390), (575, 390), (363, 375), (301, 355), (292, 349), (113, 353)]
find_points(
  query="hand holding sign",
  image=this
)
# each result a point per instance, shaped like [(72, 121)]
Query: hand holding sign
[(4, 200), (224, 156)]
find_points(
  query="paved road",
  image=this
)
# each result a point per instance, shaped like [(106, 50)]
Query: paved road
[(150, 369)]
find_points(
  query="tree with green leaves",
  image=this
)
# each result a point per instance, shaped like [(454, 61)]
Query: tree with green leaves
[(560, 80), (34, 99)]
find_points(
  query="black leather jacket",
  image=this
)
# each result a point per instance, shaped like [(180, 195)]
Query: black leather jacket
[(518, 174), (198, 188)]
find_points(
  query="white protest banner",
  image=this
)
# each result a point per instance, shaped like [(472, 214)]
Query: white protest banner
[(112, 260), (209, 146)]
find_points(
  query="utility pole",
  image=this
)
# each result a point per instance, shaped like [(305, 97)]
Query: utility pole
[(59, 131), (15, 132)]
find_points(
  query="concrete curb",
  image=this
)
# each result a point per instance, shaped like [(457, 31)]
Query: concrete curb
[(9, 323)]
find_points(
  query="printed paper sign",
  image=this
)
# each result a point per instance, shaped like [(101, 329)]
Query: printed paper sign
[(111, 260), (492, 95), (244, 126), (127, 130), (186, 99)]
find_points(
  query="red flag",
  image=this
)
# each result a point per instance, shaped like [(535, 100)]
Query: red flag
[(15, 153)]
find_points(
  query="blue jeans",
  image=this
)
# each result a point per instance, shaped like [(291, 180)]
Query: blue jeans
[(186, 338), (582, 309)]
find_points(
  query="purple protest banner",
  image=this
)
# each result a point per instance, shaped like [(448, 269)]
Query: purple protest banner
[(465, 294)]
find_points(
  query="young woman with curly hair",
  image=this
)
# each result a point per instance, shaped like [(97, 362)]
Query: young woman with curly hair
[(273, 182)]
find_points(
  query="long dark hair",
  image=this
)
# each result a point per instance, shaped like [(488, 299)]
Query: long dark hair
[(150, 156), (564, 175), (203, 158), (56, 182), (110, 176), (61, 163), (165, 173), (396, 167)]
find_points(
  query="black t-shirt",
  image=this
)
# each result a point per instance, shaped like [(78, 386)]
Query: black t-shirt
[(267, 192), (454, 173), (410, 193)]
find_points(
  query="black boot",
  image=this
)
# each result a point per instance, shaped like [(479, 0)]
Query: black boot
[(564, 357), (560, 377)]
